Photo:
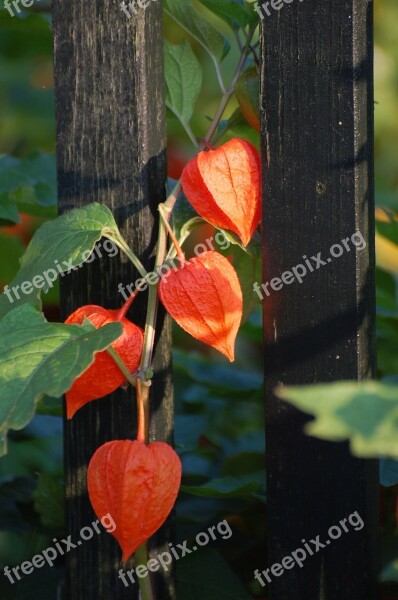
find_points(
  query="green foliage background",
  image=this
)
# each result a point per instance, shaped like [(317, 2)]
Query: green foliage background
[(219, 421)]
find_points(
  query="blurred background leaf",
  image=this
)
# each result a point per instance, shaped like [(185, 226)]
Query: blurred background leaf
[(219, 409)]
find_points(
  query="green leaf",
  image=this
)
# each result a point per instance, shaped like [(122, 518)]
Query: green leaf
[(188, 227), (244, 463), (247, 92), (49, 502), (56, 247), (217, 376), (219, 582), (364, 413), (390, 572), (228, 487), (247, 264), (252, 249), (38, 358), (188, 429), (27, 185), (8, 210), (12, 495), (387, 323), (12, 248), (226, 125), (50, 406), (236, 13), (388, 472), (192, 509), (183, 75), (27, 456), (198, 27), (184, 217), (388, 228)]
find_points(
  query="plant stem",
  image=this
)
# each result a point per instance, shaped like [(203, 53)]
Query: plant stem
[(119, 241), (141, 558), (121, 365), (123, 311), (172, 199), (168, 205), (238, 41), (142, 421), (142, 386), (162, 211), (152, 309), (185, 125), (230, 91)]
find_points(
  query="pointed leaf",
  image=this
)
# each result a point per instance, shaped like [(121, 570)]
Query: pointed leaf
[(12, 248), (28, 185), (228, 487), (56, 247), (8, 210), (247, 264), (38, 358), (247, 91), (183, 75), (198, 27), (49, 502), (236, 13), (364, 413)]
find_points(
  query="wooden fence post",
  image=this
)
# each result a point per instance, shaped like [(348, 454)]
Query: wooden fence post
[(317, 132), (110, 149)]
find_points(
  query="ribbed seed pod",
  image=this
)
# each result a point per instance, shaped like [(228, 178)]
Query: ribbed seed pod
[(224, 187), (137, 485), (205, 298), (104, 376)]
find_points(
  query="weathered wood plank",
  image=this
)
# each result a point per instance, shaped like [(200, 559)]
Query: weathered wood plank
[(110, 149), (317, 117)]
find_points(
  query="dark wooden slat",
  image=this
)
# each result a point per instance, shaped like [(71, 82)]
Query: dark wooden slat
[(317, 118), (110, 149)]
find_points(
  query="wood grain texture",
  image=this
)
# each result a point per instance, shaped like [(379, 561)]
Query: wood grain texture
[(110, 149), (317, 136)]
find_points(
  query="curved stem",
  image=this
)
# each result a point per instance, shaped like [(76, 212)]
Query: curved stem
[(218, 73), (200, 42), (123, 311), (255, 57), (172, 199), (142, 387), (238, 41), (185, 125), (121, 365), (149, 337), (230, 91), (162, 210), (129, 253), (164, 228)]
